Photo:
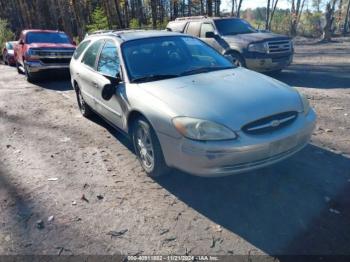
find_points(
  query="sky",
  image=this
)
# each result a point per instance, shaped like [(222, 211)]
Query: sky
[(226, 4)]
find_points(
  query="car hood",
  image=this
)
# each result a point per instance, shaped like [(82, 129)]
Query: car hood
[(51, 45), (231, 97), (255, 37)]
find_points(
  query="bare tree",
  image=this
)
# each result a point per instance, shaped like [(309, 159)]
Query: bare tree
[(270, 11), (329, 15), (296, 11), (346, 23), (236, 7)]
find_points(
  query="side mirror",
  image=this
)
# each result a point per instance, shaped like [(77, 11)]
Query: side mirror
[(21, 42), (110, 89), (210, 35)]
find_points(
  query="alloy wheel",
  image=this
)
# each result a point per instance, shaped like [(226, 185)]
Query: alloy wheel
[(144, 146)]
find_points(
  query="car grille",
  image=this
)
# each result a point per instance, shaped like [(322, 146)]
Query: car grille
[(271, 123), (54, 53), (283, 46), (55, 60)]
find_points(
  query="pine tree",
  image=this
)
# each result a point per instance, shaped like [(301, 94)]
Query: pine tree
[(99, 20)]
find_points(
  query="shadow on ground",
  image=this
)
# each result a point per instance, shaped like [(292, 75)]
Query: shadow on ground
[(289, 208), (59, 81), (320, 76)]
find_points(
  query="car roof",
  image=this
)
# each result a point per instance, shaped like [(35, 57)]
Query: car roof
[(128, 35), (41, 31)]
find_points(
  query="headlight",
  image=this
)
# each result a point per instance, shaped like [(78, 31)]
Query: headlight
[(258, 47), (31, 53), (305, 102), (199, 129)]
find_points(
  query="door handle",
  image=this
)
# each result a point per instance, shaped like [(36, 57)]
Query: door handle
[(94, 84)]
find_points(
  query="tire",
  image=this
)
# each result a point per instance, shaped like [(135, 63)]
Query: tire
[(84, 108), (18, 69), (236, 59), (31, 77), (148, 149)]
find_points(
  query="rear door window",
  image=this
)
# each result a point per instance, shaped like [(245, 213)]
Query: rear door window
[(193, 28), (91, 54)]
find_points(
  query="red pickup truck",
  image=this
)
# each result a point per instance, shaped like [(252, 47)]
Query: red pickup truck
[(42, 50)]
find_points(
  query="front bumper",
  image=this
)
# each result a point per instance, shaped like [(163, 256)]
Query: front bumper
[(268, 64), (248, 152), (38, 66)]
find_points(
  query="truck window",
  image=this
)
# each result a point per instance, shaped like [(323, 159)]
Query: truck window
[(193, 28), (91, 53), (80, 49), (108, 63), (206, 27)]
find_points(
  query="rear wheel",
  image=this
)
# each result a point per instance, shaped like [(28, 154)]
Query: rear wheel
[(84, 108), (147, 148)]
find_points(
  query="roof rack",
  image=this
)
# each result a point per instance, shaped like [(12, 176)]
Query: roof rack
[(112, 32), (191, 17), (99, 32)]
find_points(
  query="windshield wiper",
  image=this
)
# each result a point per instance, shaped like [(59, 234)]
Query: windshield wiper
[(152, 78), (204, 70)]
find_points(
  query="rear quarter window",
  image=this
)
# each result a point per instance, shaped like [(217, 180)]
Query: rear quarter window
[(177, 26), (80, 49)]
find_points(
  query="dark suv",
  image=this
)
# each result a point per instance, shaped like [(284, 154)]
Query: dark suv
[(239, 41)]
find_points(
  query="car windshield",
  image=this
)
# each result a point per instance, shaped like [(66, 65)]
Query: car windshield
[(234, 27), (44, 37), (157, 58)]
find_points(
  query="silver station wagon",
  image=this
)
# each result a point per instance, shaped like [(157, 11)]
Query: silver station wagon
[(186, 106)]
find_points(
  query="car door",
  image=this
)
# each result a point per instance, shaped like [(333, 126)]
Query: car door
[(216, 41), (87, 75), (108, 66)]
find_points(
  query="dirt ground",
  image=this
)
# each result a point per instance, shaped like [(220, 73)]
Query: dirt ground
[(50, 157)]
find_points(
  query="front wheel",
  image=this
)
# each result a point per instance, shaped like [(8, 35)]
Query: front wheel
[(31, 77), (84, 108), (236, 59), (148, 149)]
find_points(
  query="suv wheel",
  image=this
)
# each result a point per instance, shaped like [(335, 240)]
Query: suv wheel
[(236, 59), (147, 148), (84, 108)]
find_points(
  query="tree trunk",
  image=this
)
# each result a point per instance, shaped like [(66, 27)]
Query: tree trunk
[(346, 23), (209, 7), (329, 15), (238, 13), (154, 13), (267, 19)]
